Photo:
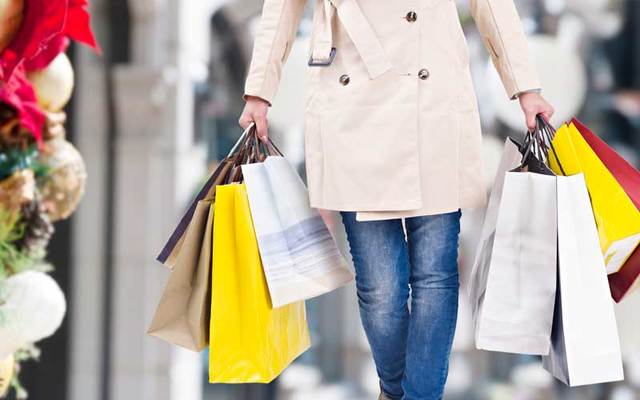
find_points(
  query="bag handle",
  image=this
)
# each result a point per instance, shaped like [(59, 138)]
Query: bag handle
[(227, 171), (548, 132), (251, 150), (241, 140), (539, 142)]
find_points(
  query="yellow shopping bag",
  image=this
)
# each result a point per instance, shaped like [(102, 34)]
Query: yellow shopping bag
[(249, 340), (616, 216)]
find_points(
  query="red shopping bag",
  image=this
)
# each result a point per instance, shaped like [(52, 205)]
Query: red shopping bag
[(628, 277)]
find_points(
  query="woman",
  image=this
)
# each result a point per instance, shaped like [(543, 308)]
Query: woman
[(392, 135)]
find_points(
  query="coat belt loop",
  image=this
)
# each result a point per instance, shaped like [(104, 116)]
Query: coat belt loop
[(323, 52), (360, 32)]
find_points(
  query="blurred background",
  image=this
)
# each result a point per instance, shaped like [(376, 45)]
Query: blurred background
[(155, 113)]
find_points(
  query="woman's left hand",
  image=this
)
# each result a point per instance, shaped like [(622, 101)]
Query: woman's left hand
[(533, 104)]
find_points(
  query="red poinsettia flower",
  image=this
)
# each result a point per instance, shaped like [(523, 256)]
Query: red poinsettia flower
[(55, 46), (78, 26), (42, 20), (43, 32), (18, 93)]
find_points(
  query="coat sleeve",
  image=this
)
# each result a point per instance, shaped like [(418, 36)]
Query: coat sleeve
[(503, 36), (274, 38)]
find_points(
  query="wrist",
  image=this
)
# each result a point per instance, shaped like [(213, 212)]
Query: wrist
[(528, 93), (248, 98)]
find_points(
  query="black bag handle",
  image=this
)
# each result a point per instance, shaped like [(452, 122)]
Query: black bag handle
[(538, 143), (548, 132)]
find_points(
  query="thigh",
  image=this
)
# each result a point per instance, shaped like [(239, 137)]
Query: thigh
[(433, 248), (379, 251)]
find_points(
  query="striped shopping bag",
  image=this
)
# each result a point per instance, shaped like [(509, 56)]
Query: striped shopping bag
[(299, 256)]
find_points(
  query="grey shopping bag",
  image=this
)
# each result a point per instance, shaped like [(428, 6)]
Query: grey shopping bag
[(585, 346), (513, 281)]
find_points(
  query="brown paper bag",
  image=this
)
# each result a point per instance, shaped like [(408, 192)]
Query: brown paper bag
[(171, 250), (182, 316)]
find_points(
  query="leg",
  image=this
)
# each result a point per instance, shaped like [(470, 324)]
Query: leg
[(433, 254), (379, 252)]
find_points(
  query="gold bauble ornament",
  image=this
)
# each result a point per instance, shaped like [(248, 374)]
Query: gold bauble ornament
[(18, 189), (53, 84), (11, 13), (7, 367), (63, 186)]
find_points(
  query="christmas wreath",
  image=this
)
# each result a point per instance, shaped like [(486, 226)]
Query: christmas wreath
[(42, 175)]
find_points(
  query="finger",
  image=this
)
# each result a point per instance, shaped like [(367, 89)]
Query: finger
[(261, 127), (531, 120), (545, 115), (244, 121)]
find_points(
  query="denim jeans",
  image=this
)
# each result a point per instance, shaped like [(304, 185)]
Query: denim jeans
[(410, 345)]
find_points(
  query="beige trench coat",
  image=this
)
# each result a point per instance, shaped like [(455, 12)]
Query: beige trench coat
[(391, 120)]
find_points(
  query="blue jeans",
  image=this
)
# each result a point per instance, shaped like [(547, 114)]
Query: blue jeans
[(410, 346)]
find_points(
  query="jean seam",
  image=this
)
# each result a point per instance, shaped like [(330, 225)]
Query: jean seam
[(443, 373)]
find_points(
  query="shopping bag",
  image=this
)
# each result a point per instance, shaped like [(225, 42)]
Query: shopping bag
[(511, 157), (299, 256), (628, 277), (249, 340), (617, 218), (224, 173), (182, 316), (171, 250), (585, 346), (513, 280)]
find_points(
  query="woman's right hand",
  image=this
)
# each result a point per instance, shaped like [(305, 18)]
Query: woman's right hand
[(255, 110)]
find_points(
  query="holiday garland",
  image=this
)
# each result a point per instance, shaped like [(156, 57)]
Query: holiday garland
[(42, 176)]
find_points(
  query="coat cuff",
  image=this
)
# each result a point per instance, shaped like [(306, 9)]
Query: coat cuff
[(268, 97), (517, 95), (263, 80), (517, 72), (520, 81)]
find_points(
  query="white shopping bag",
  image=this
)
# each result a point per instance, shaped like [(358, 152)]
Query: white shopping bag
[(513, 281), (299, 256), (478, 278), (585, 346)]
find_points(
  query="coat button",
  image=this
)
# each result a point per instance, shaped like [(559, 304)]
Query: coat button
[(423, 74), (411, 16), (344, 80)]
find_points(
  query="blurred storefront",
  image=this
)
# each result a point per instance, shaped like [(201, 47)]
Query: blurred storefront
[(161, 107)]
